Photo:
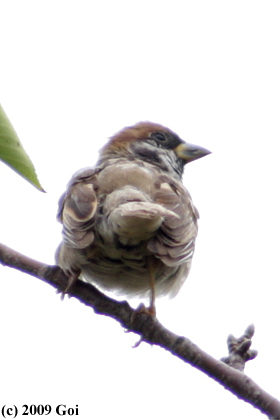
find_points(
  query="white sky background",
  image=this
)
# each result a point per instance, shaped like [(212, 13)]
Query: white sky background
[(72, 74)]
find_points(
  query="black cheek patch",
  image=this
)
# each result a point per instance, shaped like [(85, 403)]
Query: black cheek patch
[(149, 155)]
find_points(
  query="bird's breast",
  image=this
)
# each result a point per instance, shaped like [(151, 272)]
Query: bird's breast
[(128, 213), (127, 173)]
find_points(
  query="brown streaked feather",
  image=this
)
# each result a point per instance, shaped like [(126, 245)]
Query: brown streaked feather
[(77, 209), (174, 241)]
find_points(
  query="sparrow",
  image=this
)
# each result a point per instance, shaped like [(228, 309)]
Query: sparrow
[(129, 224)]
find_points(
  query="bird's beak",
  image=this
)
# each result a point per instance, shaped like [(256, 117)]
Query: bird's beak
[(189, 152)]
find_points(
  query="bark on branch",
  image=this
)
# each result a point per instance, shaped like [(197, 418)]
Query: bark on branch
[(150, 331)]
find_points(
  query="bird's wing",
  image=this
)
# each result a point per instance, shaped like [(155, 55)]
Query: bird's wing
[(77, 208), (175, 240)]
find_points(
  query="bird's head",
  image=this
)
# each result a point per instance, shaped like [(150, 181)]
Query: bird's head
[(153, 143)]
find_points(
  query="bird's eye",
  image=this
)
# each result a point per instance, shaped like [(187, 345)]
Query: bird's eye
[(158, 136)]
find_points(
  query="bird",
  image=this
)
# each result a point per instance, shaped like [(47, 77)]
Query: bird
[(129, 223)]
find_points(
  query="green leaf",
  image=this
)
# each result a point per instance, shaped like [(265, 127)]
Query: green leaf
[(13, 154)]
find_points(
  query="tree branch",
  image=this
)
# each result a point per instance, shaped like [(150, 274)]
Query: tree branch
[(150, 330)]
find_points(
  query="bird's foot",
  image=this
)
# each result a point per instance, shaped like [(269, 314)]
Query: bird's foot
[(72, 278), (142, 309)]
